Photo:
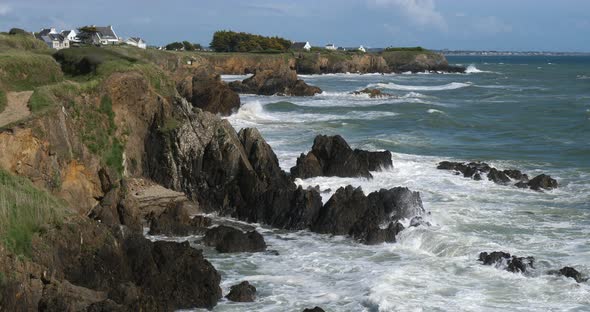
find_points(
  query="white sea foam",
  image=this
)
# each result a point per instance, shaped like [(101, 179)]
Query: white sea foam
[(229, 78), (394, 86), (435, 111), (471, 69)]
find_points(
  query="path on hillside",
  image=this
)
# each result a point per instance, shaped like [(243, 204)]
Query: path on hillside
[(16, 108)]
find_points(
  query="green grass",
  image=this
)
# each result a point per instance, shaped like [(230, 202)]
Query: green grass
[(23, 210), (20, 71), (412, 49), (3, 101), (23, 42)]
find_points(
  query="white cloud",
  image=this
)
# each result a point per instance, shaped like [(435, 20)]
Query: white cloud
[(420, 12), (492, 25), (4, 9)]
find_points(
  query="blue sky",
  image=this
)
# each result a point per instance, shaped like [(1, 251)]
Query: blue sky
[(558, 25)]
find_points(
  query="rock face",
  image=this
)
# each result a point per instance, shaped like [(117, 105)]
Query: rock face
[(476, 170), (230, 173), (175, 220), (350, 212), (227, 239), (116, 208), (211, 94), (316, 309), (332, 156), (502, 259), (242, 292), (282, 81)]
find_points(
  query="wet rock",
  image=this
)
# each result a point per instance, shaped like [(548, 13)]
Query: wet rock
[(497, 176), (175, 220), (316, 309), (64, 296), (213, 95), (542, 182), (227, 239), (350, 212), (419, 221), (516, 175), (570, 273), (509, 263), (332, 156), (281, 81), (242, 292), (272, 252), (106, 306)]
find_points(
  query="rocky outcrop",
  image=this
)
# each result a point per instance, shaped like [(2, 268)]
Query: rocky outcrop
[(371, 219), (570, 272), (176, 220), (226, 172), (316, 309), (227, 239), (416, 61), (242, 292), (373, 93), (332, 156), (206, 91), (116, 207), (282, 81), (476, 170), (509, 263)]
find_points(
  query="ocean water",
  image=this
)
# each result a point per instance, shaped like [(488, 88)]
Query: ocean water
[(529, 113)]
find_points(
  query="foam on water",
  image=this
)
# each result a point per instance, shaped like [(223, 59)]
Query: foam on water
[(394, 86)]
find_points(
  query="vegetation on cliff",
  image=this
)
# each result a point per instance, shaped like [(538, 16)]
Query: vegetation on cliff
[(230, 41), (2, 100)]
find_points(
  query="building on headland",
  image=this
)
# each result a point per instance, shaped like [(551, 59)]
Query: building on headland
[(71, 34), (362, 49), (136, 42), (298, 46), (99, 35), (331, 46), (53, 39)]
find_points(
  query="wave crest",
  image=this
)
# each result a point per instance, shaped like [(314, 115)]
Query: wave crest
[(394, 86)]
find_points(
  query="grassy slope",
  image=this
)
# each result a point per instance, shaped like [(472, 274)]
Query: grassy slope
[(23, 210), (2, 100)]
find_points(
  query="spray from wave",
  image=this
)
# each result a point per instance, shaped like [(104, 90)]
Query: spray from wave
[(394, 86)]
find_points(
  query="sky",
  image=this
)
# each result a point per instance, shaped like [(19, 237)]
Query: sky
[(514, 25)]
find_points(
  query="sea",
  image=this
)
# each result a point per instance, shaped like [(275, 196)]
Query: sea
[(528, 112)]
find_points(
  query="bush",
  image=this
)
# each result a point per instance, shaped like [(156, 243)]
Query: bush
[(21, 71), (3, 101), (410, 49), (18, 31), (23, 210), (22, 42), (230, 41), (88, 60)]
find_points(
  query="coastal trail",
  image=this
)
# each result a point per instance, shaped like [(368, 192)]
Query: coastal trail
[(16, 107)]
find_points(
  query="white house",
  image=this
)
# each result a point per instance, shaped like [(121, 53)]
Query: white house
[(71, 34), (362, 49), (53, 39), (102, 35), (136, 42), (331, 46), (301, 46)]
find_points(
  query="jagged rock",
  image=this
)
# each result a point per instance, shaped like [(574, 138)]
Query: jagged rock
[(516, 175), (510, 263), (282, 81), (373, 93), (64, 296), (116, 208), (350, 212), (213, 95), (332, 156), (316, 309), (542, 181), (242, 292), (498, 176), (227, 239), (106, 306), (175, 220), (570, 273)]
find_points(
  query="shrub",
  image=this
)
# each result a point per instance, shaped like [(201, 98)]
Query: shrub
[(21, 71), (18, 31), (3, 100), (230, 41), (413, 49)]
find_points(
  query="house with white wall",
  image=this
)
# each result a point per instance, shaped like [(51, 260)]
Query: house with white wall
[(71, 34), (331, 46), (53, 39), (298, 46), (136, 42)]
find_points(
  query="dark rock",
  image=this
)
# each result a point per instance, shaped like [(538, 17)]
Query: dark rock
[(281, 81), (571, 273), (106, 306), (350, 212), (510, 263), (116, 208), (516, 175), (332, 156), (272, 252), (213, 95), (418, 221), (542, 181), (522, 184), (498, 176), (64, 296), (175, 220), (373, 93), (316, 309), (242, 292), (227, 239)]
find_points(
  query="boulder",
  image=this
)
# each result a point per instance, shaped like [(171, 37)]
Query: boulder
[(570, 273), (213, 95), (332, 156), (542, 182), (316, 309), (175, 220), (64, 296), (227, 239), (505, 260), (242, 292), (498, 176), (373, 93), (350, 212), (281, 81), (116, 208)]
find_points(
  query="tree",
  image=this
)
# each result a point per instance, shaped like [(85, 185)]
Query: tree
[(230, 41), (188, 46), (18, 31), (87, 34), (175, 46)]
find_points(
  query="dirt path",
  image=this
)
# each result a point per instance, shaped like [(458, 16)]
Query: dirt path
[(16, 107)]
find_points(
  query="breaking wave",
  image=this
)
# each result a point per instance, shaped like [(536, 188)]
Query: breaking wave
[(394, 86)]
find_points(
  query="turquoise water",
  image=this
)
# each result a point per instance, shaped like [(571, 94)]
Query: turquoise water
[(530, 113)]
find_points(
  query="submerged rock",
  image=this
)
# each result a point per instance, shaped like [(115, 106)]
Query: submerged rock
[(316, 309), (227, 239), (242, 292), (373, 93), (332, 156), (570, 273), (542, 181), (509, 263)]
